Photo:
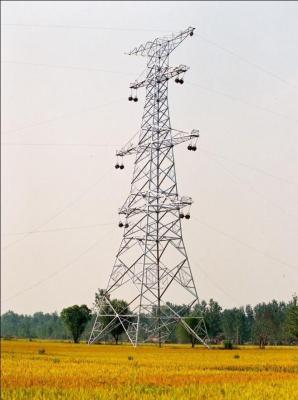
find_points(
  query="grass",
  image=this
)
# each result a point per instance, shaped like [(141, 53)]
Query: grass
[(109, 372)]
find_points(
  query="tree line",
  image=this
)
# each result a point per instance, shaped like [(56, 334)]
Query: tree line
[(273, 323)]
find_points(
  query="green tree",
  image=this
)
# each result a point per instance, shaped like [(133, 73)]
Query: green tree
[(234, 324), (211, 313), (212, 319), (183, 335), (292, 318), (26, 327), (39, 325), (76, 318), (263, 326), (167, 311), (249, 323), (107, 314), (10, 324), (269, 324)]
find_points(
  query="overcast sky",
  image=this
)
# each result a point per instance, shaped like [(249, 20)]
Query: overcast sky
[(65, 81)]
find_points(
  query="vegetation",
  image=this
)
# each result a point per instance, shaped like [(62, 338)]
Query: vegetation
[(292, 318), (107, 310), (76, 318), (77, 371), (272, 323), (183, 335), (38, 325)]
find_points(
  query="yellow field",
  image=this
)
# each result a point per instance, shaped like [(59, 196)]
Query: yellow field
[(69, 371)]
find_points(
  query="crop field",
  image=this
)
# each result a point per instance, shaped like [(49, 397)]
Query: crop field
[(55, 370)]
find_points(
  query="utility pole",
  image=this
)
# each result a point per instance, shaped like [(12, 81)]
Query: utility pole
[(152, 267)]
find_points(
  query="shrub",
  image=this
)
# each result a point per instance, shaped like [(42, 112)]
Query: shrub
[(228, 345)]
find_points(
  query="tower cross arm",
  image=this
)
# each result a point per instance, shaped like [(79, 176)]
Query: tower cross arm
[(177, 138), (169, 43), (181, 137), (129, 149), (161, 76), (164, 204)]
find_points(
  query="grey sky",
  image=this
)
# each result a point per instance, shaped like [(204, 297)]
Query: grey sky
[(65, 81)]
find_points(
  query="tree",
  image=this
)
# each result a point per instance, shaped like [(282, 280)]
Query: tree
[(26, 327), (212, 319), (107, 314), (250, 320), (196, 320), (211, 313), (39, 325), (269, 323), (234, 324), (183, 335), (292, 318), (263, 327), (76, 318)]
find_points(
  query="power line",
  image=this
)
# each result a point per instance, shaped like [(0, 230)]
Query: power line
[(243, 101), (245, 60), (62, 210), (62, 116), (58, 271), (60, 26), (252, 188), (200, 36), (215, 284), (65, 67), (259, 170), (67, 115), (61, 144), (204, 150), (249, 246), (57, 229)]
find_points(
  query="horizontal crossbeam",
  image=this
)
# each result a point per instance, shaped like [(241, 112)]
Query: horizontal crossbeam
[(161, 76), (176, 138), (169, 42)]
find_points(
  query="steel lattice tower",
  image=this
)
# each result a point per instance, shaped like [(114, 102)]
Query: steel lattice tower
[(152, 265)]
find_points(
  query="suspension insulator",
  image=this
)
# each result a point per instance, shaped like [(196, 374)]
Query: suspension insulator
[(120, 224), (191, 33), (177, 80), (194, 148), (130, 98), (126, 225), (121, 166), (187, 216), (181, 215), (135, 99), (181, 81), (117, 166), (189, 147)]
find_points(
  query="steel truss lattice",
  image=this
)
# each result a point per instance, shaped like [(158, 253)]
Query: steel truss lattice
[(152, 266)]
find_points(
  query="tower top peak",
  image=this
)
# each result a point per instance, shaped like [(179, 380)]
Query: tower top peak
[(169, 42)]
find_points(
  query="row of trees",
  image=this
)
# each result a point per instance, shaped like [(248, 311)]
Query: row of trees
[(266, 323)]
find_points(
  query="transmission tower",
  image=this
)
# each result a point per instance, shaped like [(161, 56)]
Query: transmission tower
[(152, 267)]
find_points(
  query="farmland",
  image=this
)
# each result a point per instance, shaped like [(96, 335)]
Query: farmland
[(60, 370)]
